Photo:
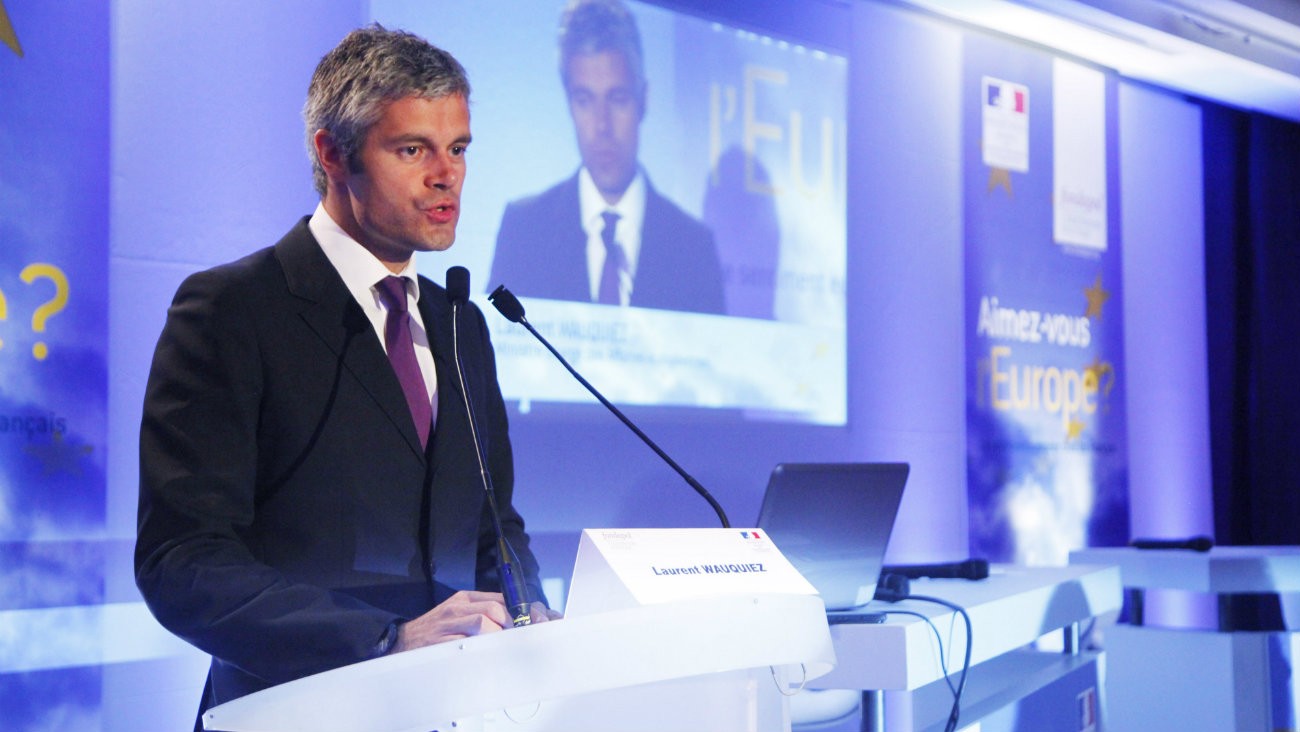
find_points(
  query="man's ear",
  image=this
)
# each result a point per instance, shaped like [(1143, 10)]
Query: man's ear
[(330, 156)]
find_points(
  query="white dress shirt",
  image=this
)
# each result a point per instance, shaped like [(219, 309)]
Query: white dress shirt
[(361, 271), (631, 213)]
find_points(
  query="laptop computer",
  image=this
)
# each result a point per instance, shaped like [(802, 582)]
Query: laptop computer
[(832, 521)]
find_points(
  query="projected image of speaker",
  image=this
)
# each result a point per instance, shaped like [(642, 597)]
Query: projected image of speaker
[(665, 192)]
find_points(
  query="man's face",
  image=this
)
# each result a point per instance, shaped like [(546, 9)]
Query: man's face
[(404, 194), (607, 109)]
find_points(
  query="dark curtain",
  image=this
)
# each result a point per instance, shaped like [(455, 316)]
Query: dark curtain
[(1252, 256)]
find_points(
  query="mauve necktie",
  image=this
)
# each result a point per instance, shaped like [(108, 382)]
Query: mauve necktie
[(615, 262), (401, 352)]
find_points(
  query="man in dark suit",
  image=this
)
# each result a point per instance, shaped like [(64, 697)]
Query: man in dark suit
[(605, 235), (310, 495)]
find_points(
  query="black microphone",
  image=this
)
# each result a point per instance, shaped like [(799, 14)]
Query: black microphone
[(971, 569), (892, 587), (509, 306), (513, 585), (1194, 543), (457, 286)]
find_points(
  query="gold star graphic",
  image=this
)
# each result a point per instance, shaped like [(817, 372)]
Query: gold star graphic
[(60, 457), (1097, 296), (7, 33), (1073, 430), (1000, 177)]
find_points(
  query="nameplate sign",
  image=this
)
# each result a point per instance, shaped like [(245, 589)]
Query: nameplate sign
[(621, 568)]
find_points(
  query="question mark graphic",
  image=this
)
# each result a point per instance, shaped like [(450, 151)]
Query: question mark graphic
[(1106, 374), (4, 312), (49, 309)]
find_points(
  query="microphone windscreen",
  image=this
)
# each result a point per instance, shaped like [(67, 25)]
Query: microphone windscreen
[(457, 285), (1193, 543), (971, 569), (507, 304)]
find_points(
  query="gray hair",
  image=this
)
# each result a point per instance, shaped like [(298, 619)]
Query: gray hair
[(369, 69), (595, 26)]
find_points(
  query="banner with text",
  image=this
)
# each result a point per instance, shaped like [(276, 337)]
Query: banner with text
[(54, 154), (1046, 465)]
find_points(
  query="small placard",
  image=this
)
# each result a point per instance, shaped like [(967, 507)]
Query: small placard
[(1079, 156), (619, 568), (1005, 141)]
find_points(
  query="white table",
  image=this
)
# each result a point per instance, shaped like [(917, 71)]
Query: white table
[(1232, 676), (1014, 607), (1223, 571)]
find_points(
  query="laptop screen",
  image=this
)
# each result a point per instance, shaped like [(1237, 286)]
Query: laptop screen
[(832, 521)]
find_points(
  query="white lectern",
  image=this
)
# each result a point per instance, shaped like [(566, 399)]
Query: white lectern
[(717, 663)]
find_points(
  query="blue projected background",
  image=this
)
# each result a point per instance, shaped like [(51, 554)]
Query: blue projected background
[(53, 364), (140, 142)]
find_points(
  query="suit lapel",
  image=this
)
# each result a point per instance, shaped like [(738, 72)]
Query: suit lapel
[(333, 314), (435, 311), (455, 482), (577, 286), (647, 265), (655, 264)]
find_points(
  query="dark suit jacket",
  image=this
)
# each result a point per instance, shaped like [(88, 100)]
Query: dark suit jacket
[(288, 514), (541, 251)]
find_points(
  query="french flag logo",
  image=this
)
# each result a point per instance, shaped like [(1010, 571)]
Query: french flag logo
[(750, 535), (1088, 710), (1006, 96)]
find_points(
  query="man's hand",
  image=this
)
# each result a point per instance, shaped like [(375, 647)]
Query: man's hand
[(463, 614), (539, 613)]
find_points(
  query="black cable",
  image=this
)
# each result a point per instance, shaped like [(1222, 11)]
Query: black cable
[(943, 663), (938, 638), (970, 637)]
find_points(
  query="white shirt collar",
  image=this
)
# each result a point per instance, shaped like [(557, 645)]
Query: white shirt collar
[(631, 213), (630, 208), (359, 269)]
